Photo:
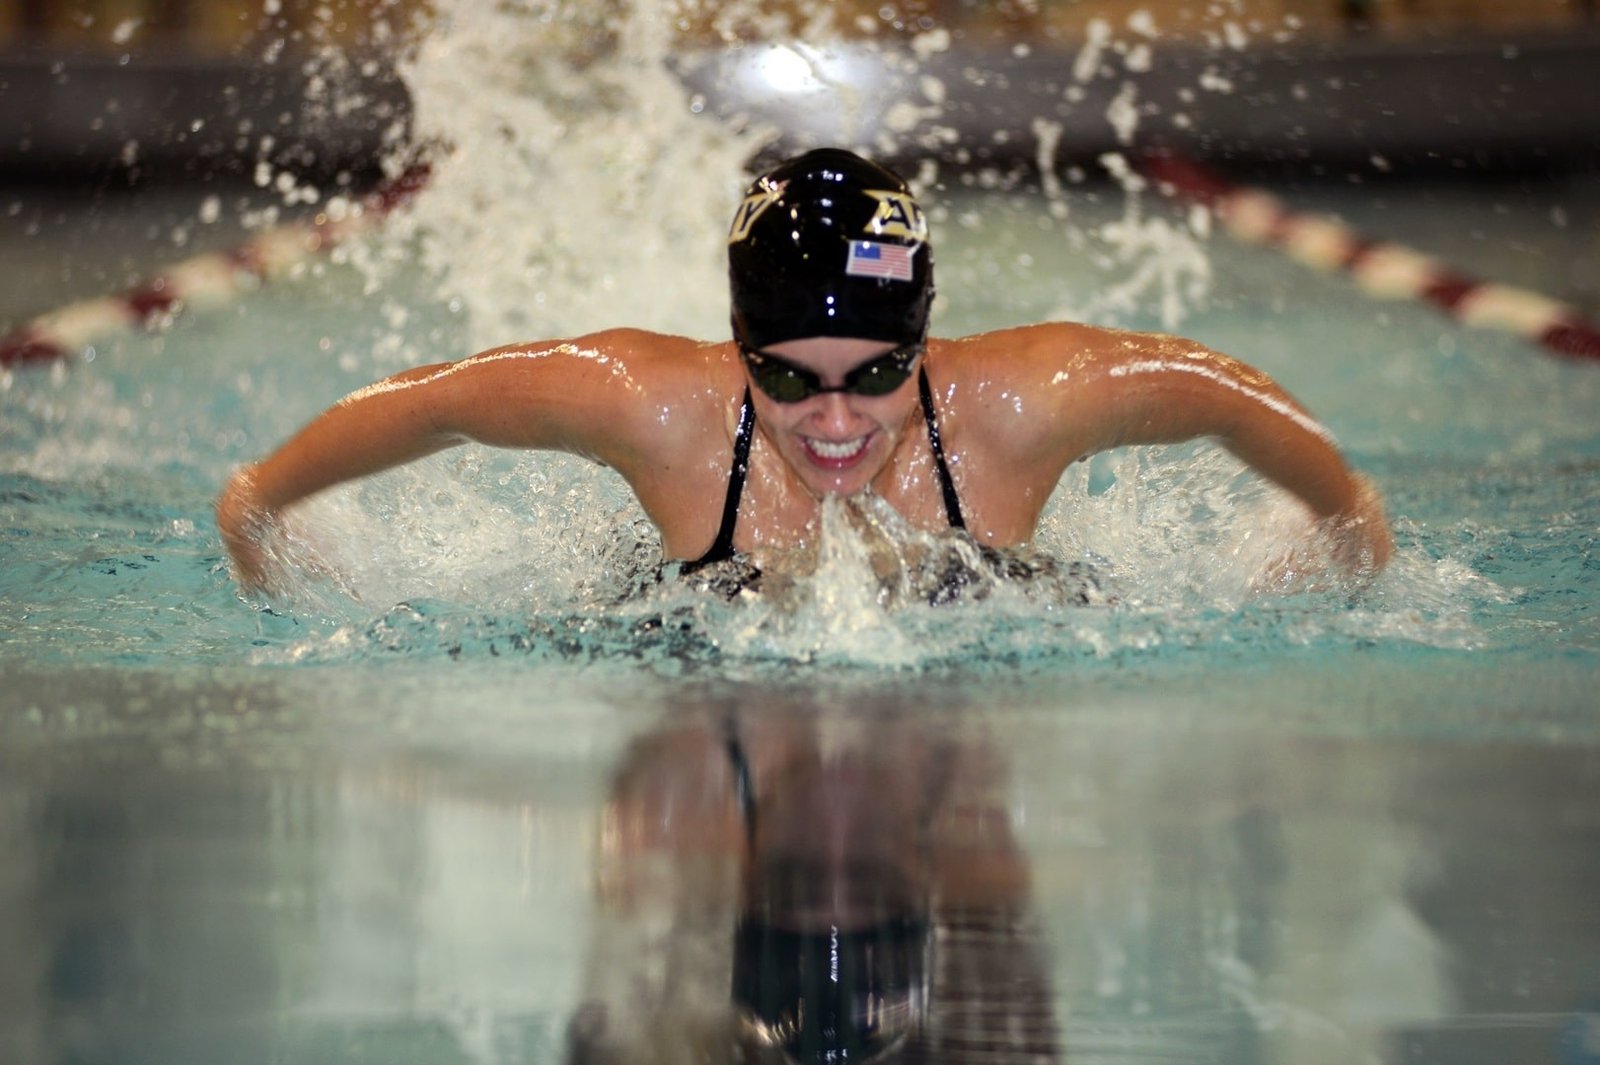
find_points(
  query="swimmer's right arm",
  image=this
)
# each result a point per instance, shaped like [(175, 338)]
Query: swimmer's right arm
[(557, 396), (374, 429)]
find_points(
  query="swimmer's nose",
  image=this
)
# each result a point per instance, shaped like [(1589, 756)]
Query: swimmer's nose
[(834, 414)]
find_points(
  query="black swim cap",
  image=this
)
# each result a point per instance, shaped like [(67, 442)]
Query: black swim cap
[(832, 995), (829, 244)]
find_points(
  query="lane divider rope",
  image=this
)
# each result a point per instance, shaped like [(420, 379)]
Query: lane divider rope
[(205, 280), (1383, 269)]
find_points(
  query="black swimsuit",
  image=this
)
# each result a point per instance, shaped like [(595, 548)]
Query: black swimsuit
[(721, 548)]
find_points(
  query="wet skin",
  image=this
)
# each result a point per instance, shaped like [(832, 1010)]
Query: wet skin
[(1014, 407)]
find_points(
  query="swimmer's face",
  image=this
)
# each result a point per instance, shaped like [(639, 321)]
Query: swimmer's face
[(837, 442)]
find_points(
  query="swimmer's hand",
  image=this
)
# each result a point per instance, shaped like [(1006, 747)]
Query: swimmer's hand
[(245, 524), (1354, 544), (1360, 539)]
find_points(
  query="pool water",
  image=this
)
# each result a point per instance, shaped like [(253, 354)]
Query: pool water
[(385, 816), (362, 825)]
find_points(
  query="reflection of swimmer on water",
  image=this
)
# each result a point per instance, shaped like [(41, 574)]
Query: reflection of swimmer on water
[(831, 386), (788, 887)]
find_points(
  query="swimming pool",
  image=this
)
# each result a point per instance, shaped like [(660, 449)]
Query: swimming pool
[(372, 821)]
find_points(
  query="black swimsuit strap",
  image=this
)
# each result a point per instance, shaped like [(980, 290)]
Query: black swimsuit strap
[(743, 787), (952, 502), (721, 548)]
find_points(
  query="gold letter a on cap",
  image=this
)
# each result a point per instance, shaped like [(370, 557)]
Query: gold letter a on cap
[(898, 216)]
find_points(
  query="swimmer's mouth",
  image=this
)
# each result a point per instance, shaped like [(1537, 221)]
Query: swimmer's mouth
[(835, 452)]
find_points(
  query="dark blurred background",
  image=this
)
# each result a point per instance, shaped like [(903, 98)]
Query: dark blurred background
[(139, 91)]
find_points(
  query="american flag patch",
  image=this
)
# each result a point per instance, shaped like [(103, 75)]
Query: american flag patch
[(868, 258)]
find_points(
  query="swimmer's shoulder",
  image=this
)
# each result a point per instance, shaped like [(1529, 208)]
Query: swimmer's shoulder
[(664, 363), (618, 395), (1062, 359), (1033, 393), (678, 397), (1041, 343), (623, 365), (681, 384), (1016, 365), (624, 346)]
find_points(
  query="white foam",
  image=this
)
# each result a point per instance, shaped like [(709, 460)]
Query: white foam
[(577, 189), (581, 190)]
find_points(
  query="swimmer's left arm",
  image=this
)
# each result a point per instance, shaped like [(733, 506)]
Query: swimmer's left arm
[(1150, 389)]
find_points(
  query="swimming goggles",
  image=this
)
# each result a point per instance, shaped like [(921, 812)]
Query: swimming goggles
[(789, 382)]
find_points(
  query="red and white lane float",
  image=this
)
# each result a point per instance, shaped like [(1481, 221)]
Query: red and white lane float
[(1383, 269), (205, 280)]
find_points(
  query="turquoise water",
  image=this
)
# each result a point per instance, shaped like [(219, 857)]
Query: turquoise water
[(1484, 448), (363, 822)]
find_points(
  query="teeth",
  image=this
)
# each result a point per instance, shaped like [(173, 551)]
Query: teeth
[(836, 450)]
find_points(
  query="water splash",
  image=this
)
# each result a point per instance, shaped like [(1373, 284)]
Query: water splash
[(1172, 557), (579, 186), (575, 187)]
